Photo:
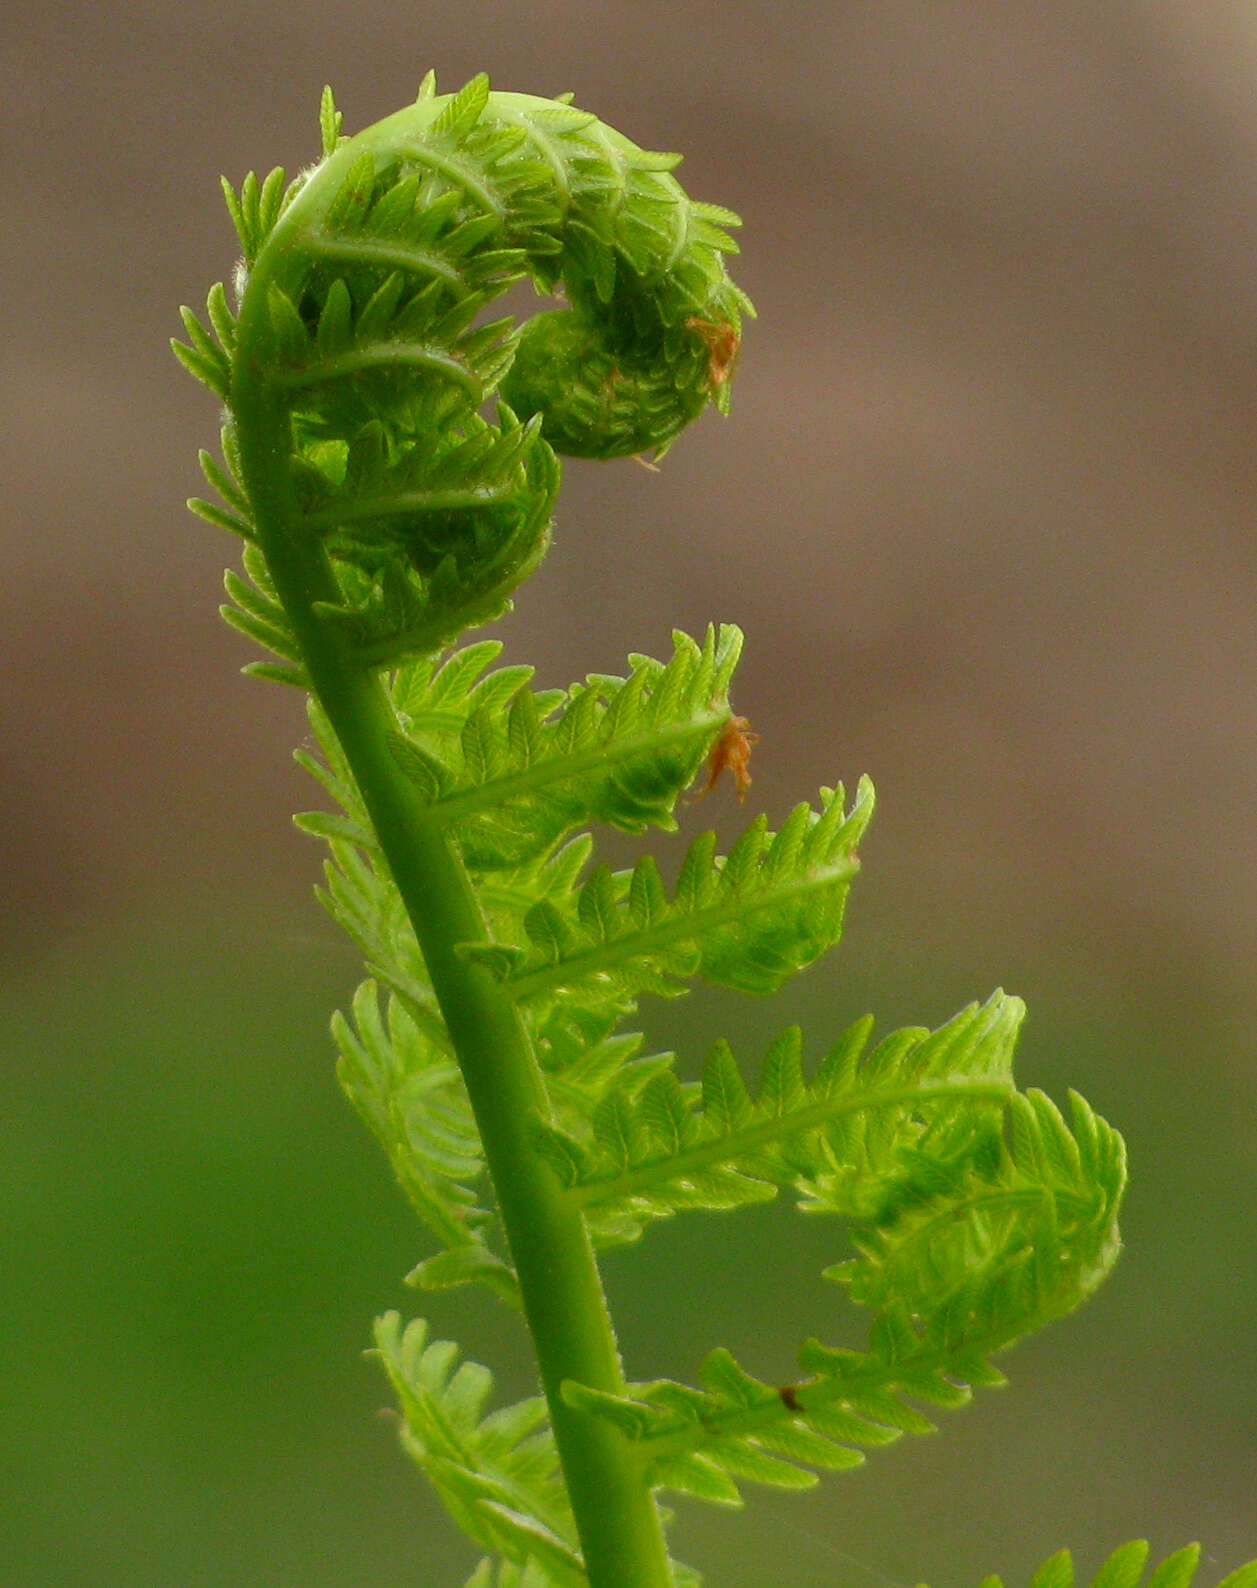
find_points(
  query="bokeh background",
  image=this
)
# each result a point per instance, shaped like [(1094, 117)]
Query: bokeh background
[(984, 508)]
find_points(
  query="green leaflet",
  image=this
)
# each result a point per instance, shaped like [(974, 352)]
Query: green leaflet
[(851, 1139), (509, 772), (497, 1474), (747, 920), (1009, 1247), (256, 613), (404, 1082), (1028, 1230)]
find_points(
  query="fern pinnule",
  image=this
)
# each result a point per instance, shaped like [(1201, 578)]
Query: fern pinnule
[(207, 358), (1022, 1230), (255, 612)]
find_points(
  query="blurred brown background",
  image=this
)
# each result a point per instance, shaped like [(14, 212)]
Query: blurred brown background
[(984, 508)]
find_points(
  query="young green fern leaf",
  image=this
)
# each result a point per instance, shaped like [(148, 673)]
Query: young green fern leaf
[(389, 460)]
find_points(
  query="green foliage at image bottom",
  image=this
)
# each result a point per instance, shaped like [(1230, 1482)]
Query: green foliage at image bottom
[(1126, 1567)]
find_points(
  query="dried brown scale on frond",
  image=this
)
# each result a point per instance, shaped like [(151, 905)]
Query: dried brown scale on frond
[(731, 753), (723, 342)]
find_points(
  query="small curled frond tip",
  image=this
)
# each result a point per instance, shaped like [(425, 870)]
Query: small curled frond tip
[(420, 433)]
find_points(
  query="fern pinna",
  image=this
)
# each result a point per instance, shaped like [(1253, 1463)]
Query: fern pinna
[(389, 460)]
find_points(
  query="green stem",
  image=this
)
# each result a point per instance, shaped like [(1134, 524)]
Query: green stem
[(562, 1295)]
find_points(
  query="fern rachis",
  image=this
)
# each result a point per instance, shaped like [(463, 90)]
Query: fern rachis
[(389, 460)]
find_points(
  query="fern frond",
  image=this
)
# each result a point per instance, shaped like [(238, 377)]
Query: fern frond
[(203, 358), (1023, 1232), (747, 920), (431, 567), (359, 892), (509, 772), (585, 1056), (236, 515), (389, 459), (497, 1474), (360, 895), (846, 1138), (1127, 1566)]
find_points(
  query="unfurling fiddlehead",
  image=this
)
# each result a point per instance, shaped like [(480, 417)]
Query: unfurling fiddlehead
[(389, 460), (362, 357)]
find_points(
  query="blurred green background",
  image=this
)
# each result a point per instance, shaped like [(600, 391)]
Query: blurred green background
[(984, 508)]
